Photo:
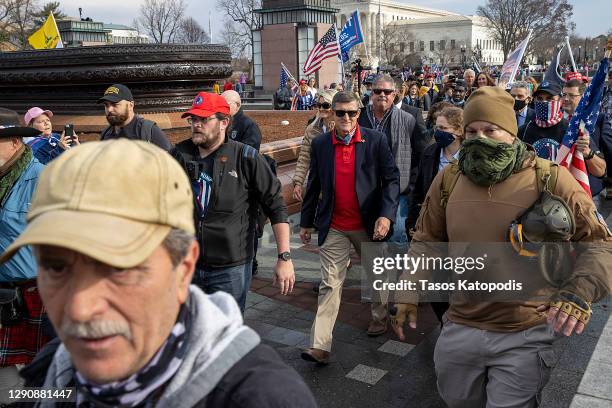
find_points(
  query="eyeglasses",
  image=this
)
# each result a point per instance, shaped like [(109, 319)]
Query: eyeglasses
[(324, 105), (386, 91), (351, 113), (192, 120)]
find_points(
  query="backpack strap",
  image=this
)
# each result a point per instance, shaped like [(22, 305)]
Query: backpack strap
[(546, 175), (104, 132), (449, 180), (147, 129)]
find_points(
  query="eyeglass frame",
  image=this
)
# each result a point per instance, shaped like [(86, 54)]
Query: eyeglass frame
[(200, 119)]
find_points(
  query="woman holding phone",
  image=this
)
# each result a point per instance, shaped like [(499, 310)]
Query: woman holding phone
[(48, 145)]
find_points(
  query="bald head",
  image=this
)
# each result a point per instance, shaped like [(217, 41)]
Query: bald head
[(233, 100)]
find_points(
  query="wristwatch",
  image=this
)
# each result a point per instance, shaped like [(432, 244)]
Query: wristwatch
[(591, 155), (285, 256)]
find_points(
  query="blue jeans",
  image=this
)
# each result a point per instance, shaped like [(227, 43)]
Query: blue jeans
[(399, 228), (234, 280)]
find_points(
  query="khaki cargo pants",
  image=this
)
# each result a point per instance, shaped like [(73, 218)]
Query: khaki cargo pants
[(480, 368), (334, 256)]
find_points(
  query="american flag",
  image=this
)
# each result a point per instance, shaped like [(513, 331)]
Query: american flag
[(327, 47), (584, 119), (294, 102)]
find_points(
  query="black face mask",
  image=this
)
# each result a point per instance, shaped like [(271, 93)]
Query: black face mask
[(519, 105), (443, 139)]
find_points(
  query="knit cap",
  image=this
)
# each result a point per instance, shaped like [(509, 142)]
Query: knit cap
[(491, 104)]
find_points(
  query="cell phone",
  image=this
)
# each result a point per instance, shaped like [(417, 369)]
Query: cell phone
[(69, 130)]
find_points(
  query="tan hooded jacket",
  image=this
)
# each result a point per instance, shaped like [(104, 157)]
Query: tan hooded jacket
[(478, 214)]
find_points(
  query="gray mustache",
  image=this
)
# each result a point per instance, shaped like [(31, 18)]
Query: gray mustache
[(96, 329)]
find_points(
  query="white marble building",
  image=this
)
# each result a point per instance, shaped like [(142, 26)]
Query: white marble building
[(375, 14), (421, 25), (451, 40)]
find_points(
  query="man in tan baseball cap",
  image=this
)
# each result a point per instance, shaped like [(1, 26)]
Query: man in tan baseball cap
[(112, 227)]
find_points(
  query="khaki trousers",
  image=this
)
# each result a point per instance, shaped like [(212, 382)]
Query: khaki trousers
[(334, 256)]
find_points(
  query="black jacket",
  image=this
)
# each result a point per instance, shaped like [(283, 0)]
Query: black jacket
[(259, 379), (530, 132), (245, 130), (139, 129), (376, 182), (423, 103), (427, 170), (282, 99), (242, 180)]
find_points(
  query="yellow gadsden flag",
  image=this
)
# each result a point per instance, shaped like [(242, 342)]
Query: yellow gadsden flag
[(47, 36)]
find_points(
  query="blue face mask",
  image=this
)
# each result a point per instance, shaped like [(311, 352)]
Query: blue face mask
[(443, 139)]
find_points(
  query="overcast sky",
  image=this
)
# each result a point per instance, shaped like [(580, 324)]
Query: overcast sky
[(588, 14)]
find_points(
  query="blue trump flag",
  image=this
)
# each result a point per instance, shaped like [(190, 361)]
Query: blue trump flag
[(350, 35)]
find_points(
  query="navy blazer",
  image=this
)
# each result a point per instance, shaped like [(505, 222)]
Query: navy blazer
[(376, 182), (528, 118)]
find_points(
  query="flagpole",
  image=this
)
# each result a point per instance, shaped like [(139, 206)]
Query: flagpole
[(291, 77), (61, 43), (210, 26), (339, 53), (571, 54)]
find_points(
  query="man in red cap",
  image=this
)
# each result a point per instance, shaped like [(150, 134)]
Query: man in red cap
[(229, 181)]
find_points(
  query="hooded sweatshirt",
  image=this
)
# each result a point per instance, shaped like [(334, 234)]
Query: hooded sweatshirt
[(218, 342)]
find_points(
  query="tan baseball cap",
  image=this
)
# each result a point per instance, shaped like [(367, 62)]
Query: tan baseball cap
[(114, 201)]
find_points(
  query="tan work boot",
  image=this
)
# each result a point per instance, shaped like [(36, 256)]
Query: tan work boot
[(321, 357), (377, 328)]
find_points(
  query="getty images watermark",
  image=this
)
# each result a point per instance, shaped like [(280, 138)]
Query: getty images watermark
[(473, 272), (410, 265)]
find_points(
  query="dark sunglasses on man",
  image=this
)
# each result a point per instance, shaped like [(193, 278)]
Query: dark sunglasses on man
[(324, 105), (351, 113), (386, 91)]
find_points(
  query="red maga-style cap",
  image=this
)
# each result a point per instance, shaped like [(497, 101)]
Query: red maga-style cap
[(207, 104)]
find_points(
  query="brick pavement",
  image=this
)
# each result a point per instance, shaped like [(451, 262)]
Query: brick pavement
[(382, 372)]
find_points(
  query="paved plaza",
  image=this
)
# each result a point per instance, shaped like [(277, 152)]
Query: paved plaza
[(383, 372)]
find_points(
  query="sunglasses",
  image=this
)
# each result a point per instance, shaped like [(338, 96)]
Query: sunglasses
[(352, 113), (324, 105), (386, 91)]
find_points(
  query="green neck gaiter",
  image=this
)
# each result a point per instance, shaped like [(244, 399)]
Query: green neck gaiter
[(486, 162)]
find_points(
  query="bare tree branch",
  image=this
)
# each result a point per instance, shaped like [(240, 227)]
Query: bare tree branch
[(240, 12), (511, 20), (161, 19), (190, 32), (233, 35), (21, 22), (394, 39)]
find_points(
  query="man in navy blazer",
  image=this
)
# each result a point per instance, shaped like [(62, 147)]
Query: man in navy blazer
[(352, 197), (521, 92)]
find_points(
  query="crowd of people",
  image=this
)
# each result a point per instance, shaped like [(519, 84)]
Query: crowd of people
[(127, 261)]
